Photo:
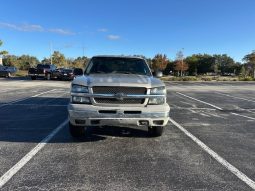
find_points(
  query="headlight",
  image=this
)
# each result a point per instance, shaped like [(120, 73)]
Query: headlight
[(158, 91), (79, 89), (80, 100), (158, 100)]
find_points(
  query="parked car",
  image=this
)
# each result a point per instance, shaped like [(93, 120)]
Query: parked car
[(43, 71), (70, 74), (7, 71)]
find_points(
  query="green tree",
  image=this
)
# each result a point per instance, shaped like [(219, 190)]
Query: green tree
[(3, 52), (27, 61), (79, 62), (250, 61), (59, 59), (45, 60), (243, 72), (159, 62), (224, 63), (169, 68), (11, 60), (193, 62)]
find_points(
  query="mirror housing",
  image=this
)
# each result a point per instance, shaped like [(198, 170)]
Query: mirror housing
[(78, 72), (158, 74)]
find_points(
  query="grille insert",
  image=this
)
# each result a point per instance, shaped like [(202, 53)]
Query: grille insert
[(115, 101), (117, 89), (121, 90)]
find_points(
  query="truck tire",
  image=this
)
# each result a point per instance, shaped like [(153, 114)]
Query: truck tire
[(76, 131), (156, 131), (33, 77), (48, 76)]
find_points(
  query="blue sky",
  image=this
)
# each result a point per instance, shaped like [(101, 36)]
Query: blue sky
[(127, 27)]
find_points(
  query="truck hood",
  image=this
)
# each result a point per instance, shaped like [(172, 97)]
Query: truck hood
[(130, 80)]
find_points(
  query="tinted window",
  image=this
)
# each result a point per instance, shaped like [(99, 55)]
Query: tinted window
[(41, 66), (117, 65), (67, 70)]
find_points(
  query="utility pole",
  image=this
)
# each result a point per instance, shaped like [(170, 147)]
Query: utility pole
[(83, 50), (50, 53), (182, 60)]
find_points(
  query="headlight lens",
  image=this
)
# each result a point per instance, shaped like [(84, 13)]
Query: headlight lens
[(80, 100), (157, 100), (79, 89), (158, 91)]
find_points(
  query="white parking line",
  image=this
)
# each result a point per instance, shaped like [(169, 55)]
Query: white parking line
[(243, 116), (40, 105), (214, 106), (193, 108), (10, 173), (217, 157), (236, 97), (23, 99)]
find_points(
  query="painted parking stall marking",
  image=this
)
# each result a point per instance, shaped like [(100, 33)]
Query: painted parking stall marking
[(23, 99), (217, 157), (11, 172)]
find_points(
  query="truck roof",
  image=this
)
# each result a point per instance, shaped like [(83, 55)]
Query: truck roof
[(117, 56)]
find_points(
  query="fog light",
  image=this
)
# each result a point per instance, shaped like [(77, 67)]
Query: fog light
[(145, 123), (157, 101), (80, 122)]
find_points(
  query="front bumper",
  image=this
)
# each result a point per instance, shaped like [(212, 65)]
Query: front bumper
[(90, 115)]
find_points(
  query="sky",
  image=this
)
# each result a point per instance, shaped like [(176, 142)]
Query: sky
[(141, 27)]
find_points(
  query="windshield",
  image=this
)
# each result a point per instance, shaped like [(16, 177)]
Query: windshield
[(68, 70), (41, 66), (105, 65)]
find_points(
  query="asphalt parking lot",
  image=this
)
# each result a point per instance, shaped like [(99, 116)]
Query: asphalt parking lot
[(209, 143)]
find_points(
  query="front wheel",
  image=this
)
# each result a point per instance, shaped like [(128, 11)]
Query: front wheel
[(76, 131), (156, 131), (33, 77)]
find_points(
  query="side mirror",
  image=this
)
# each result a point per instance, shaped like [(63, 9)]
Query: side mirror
[(78, 72), (158, 74)]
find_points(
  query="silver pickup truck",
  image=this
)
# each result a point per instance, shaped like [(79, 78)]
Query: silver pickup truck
[(117, 91)]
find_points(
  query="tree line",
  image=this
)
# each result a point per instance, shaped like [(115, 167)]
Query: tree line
[(196, 64), (201, 64)]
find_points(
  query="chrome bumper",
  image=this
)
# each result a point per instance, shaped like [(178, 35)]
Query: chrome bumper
[(90, 115)]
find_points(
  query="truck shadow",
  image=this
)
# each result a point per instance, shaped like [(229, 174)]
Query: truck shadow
[(112, 131), (33, 119), (94, 134)]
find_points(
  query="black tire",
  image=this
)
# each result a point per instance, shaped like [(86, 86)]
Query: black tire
[(156, 131), (33, 77), (48, 76), (76, 131)]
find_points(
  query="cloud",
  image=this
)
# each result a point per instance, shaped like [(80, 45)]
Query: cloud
[(22, 27), (113, 37), (34, 28), (61, 31), (102, 30)]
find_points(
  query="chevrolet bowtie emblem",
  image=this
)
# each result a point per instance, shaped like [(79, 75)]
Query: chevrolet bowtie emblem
[(119, 96)]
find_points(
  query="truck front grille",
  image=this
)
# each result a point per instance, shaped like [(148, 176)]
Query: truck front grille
[(116, 90), (115, 101)]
